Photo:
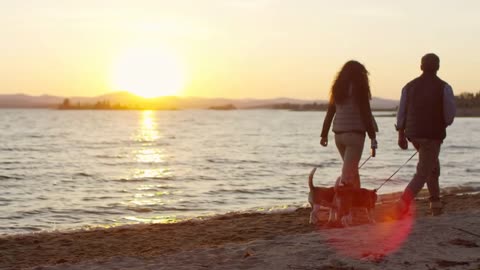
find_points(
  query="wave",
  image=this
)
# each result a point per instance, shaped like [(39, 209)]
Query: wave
[(27, 213), (101, 198), (5, 177), (145, 179), (462, 189), (134, 163), (83, 174), (9, 162), (21, 229), (103, 212), (140, 209), (232, 161), (65, 217), (110, 156), (118, 164), (35, 136), (462, 147), (324, 164), (161, 208), (241, 191), (125, 180)]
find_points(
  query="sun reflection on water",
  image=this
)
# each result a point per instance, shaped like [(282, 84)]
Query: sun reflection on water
[(151, 173), (147, 155), (151, 166), (148, 130), (148, 134)]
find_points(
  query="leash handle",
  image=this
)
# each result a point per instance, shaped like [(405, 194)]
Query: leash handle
[(389, 178)]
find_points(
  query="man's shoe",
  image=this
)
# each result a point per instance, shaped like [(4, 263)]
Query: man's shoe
[(400, 209), (436, 208)]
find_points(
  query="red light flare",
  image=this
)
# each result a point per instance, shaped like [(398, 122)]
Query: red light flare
[(371, 241)]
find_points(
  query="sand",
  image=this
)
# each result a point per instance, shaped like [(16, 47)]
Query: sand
[(281, 240)]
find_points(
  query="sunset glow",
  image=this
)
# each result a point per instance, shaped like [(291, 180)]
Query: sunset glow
[(231, 48), (148, 72)]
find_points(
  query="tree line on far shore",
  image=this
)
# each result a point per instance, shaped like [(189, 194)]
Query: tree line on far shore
[(99, 105), (301, 107), (468, 100), (463, 100)]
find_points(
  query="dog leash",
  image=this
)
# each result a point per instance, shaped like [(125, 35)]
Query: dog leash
[(396, 171), (365, 162)]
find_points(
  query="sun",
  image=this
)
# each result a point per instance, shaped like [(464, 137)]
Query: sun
[(148, 72)]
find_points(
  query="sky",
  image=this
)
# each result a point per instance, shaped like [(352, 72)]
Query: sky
[(231, 48)]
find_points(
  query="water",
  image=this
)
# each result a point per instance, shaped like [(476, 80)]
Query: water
[(71, 169)]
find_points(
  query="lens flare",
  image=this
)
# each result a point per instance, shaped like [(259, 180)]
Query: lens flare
[(373, 241)]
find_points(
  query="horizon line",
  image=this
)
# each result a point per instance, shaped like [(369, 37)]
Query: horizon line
[(172, 96)]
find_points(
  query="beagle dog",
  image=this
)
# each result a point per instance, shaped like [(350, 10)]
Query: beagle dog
[(340, 199)]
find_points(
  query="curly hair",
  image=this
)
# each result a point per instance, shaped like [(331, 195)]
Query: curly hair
[(355, 74)]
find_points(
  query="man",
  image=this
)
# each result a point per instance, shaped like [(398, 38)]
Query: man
[(427, 107)]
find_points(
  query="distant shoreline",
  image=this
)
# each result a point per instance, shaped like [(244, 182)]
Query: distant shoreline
[(461, 112)]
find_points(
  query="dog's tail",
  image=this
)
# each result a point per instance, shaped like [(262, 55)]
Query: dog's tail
[(310, 179)]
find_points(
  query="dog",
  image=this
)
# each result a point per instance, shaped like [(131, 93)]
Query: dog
[(340, 199), (347, 197), (320, 196)]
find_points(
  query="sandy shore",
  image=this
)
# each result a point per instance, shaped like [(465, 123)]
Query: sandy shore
[(265, 241)]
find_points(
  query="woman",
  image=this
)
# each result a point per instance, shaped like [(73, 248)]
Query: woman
[(350, 101)]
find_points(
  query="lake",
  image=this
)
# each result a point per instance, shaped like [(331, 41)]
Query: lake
[(82, 169)]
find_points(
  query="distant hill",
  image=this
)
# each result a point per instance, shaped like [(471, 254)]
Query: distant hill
[(384, 104), (128, 99), (26, 101)]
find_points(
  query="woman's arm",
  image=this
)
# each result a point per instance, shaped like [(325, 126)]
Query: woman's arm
[(367, 117), (327, 122)]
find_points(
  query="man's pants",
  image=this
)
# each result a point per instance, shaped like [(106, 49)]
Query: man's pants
[(428, 170), (350, 146)]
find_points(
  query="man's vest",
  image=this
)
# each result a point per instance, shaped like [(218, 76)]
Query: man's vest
[(424, 104)]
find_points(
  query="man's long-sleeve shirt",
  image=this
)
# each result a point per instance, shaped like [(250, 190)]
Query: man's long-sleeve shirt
[(449, 108)]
